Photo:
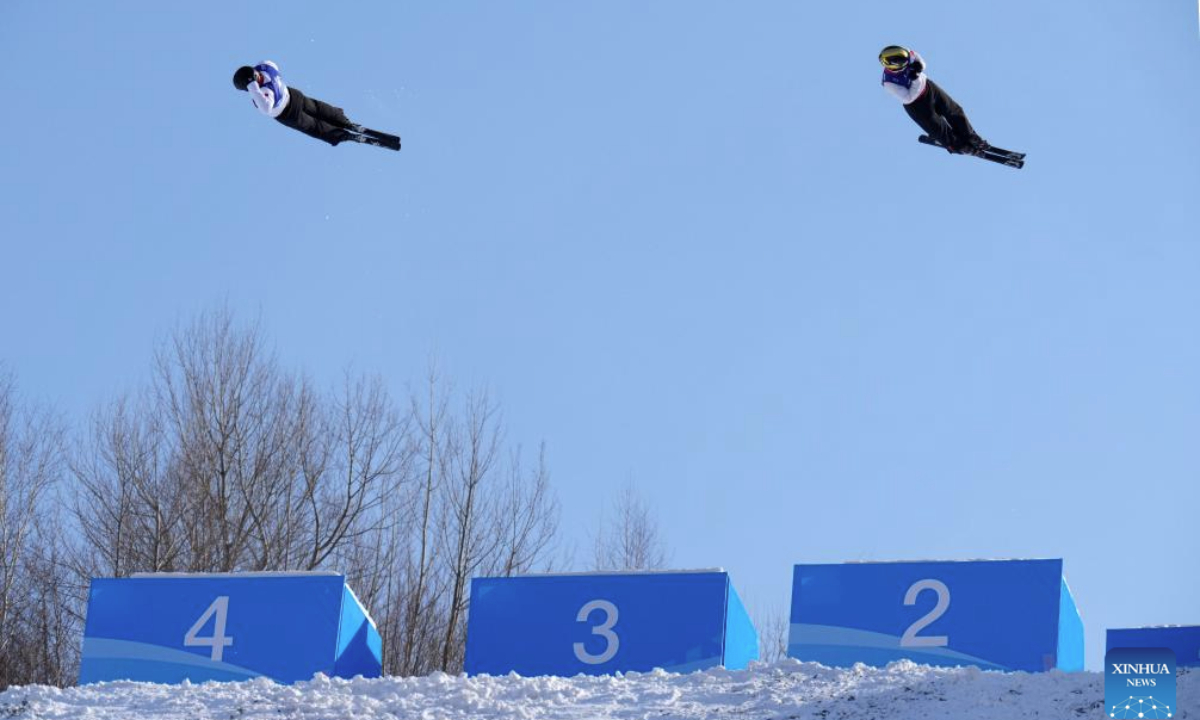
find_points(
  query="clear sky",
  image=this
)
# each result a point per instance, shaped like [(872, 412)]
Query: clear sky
[(691, 244)]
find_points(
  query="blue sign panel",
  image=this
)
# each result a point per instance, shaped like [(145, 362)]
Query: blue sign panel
[(604, 623), (168, 628), (998, 615), (1183, 640)]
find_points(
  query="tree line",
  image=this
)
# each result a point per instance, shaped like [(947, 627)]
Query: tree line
[(223, 460)]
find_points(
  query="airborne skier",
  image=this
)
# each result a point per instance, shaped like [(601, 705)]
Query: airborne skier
[(298, 111), (931, 107)]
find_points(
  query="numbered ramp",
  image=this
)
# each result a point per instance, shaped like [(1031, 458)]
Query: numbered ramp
[(1183, 640), (995, 614), (167, 628), (599, 623)]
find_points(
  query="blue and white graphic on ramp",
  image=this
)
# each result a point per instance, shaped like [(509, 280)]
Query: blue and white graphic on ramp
[(831, 646), (168, 628), (128, 659)]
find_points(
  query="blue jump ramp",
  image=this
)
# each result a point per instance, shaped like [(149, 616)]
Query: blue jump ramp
[(171, 627), (1183, 640), (995, 614), (601, 623)]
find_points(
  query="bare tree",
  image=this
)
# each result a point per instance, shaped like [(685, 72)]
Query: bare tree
[(773, 627), (431, 413), (56, 606), (526, 518), (470, 456), (31, 448), (127, 504), (228, 407), (229, 463), (371, 463), (630, 539)]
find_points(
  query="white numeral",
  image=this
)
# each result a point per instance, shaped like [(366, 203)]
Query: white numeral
[(218, 642), (911, 639), (604, 630)]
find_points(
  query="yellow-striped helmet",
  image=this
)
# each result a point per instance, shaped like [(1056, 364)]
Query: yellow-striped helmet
[(894, 58)]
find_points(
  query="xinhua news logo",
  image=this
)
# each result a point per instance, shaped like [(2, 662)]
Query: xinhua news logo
[(1139, 683)]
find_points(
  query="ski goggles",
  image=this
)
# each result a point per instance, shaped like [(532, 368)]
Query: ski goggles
[(895, 62)]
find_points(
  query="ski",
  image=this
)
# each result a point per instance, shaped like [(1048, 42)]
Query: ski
[(392, 141), (369, 140), (367, 136), (1003, 159), (987, 148), (1004, 153), (995, 154)]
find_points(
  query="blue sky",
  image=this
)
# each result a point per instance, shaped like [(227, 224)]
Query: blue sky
[(689, 244)]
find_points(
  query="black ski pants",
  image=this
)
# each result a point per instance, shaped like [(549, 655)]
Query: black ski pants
[(941, 118), (315, 118)]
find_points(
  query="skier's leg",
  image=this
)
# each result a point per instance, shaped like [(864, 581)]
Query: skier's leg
[(304, 114), (298, 116), (335, 116), (945, 107), (314, 128), (330, 114), (935, 126)]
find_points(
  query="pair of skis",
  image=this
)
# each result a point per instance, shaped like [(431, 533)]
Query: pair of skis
[(987, 152), (367, 136)]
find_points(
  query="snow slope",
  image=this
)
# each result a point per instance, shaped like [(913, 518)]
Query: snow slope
[(788, 689)]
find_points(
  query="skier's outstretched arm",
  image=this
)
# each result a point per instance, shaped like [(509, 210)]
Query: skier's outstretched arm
[(262, 97)]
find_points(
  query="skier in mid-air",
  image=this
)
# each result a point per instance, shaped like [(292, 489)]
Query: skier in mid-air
[(931, 107), (298, 111)]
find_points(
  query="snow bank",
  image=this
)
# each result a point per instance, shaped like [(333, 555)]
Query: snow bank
[(788, 689)]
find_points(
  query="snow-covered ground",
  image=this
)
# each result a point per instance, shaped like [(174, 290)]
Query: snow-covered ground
[(788, 689)]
